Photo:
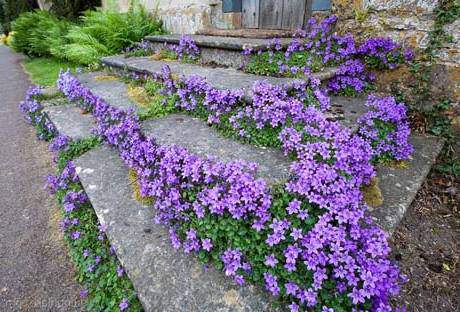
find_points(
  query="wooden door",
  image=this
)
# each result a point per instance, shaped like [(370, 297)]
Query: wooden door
[(273, 14)]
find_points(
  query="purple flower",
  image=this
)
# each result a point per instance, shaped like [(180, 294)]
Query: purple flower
[(207, 244), (75, 235), (84, 293), (271, 260), (124, 304), (120, 271)]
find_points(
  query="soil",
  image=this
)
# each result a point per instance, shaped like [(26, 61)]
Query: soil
[(427, 246)]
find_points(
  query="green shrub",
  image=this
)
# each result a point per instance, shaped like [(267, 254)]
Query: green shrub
[(98, 33), (103, 33), (35, 32)]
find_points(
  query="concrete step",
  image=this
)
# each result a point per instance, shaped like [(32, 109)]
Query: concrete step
[(219, 50), (219, 78)]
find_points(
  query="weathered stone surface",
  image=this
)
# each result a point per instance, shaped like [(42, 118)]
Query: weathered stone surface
[(199, 138), (399, 186), (219, 78), (218, 42), (69, 120), (165, 279), (347, 110), (114, 92)]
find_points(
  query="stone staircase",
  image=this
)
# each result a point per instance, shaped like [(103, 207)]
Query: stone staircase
[(169, 280)]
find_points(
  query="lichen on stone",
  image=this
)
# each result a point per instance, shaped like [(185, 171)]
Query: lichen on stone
[(105, 77)]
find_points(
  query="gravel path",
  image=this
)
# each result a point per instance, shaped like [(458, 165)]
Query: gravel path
[(35, 272)]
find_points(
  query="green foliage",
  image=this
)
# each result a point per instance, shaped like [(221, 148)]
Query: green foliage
[(265, 65), (451, 167), (45, 70), (102, 33), (11, 9), (99, 33), (35, 32), (437, 122), (105, 288), (159, 105), (76, 149)]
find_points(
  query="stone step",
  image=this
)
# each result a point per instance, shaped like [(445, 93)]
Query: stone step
[(248, 33), (220, 50), (69, 120), (169, 280), (109, 88), (219, 78), (195, 135), (398, 186), (165, 279)]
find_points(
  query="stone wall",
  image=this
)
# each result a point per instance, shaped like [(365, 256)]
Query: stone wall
[(184, 16), (408, 22)]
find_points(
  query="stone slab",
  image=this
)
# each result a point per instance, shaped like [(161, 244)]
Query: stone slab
[(219, 78), (399, 186), (164, 278), (218, 42), (69, 120), (114, 92), (195, 135)]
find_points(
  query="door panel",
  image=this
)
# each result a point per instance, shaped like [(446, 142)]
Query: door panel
[(274, 14), (250, 18), (271, 14), (293, 14)]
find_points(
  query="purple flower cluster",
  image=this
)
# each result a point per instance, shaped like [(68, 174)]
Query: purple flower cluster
[(143, 47), (194, 91), (33, 113), (318, 46), (279, 106), (186, 50), (331, 165), (386, 128), (59, 143)]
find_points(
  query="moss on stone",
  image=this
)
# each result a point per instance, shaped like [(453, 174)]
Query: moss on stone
[(372, 193), (134, 182), (138, 95)]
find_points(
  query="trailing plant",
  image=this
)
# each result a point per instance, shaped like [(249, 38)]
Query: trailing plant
[(317, 47), (307, 243), (33, 113)]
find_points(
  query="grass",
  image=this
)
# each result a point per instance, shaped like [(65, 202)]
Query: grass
[(45, 70)]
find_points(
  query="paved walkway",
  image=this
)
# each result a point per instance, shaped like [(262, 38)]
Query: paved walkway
[(35, 272)]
